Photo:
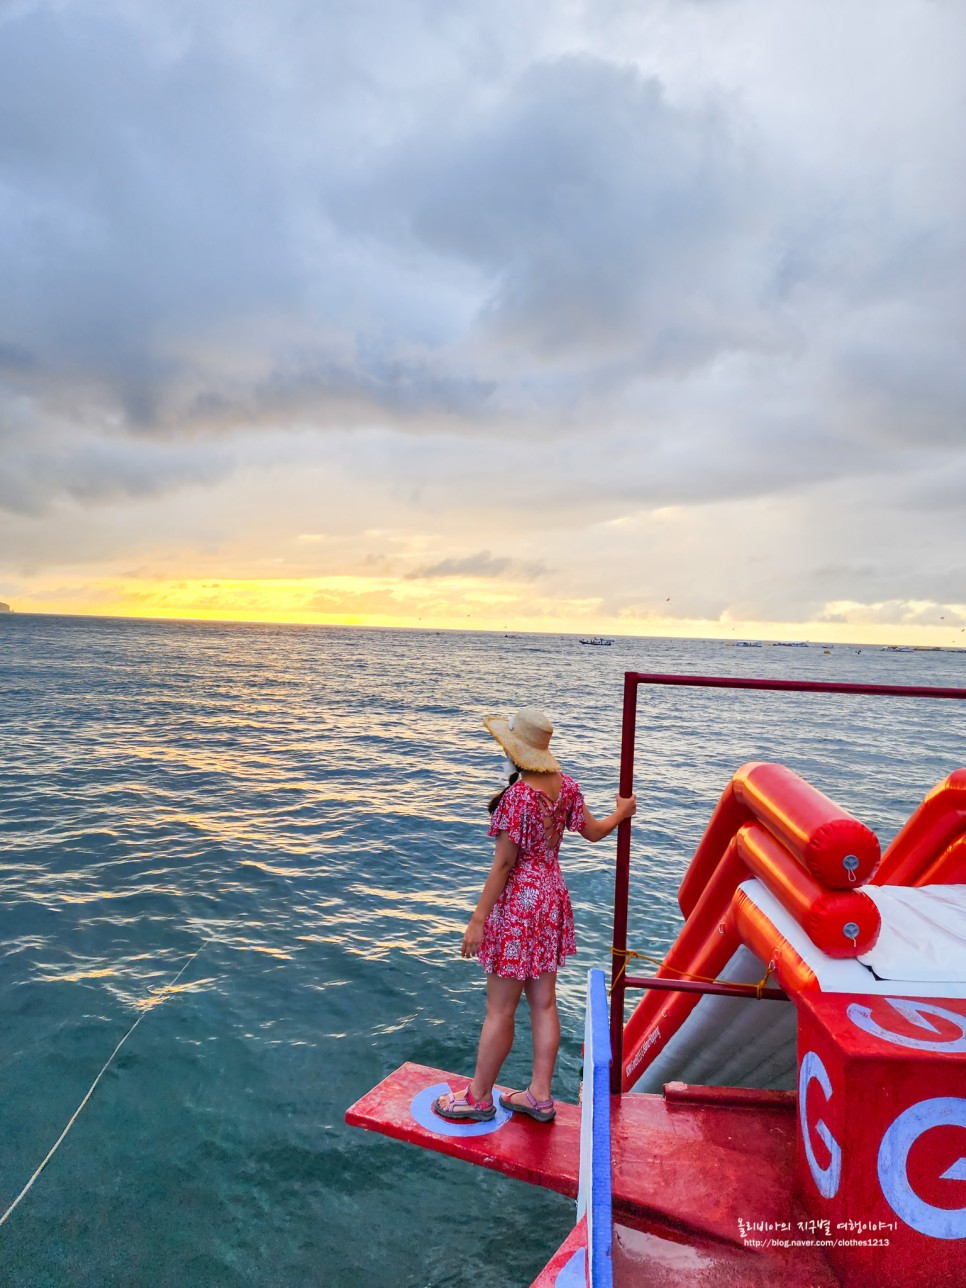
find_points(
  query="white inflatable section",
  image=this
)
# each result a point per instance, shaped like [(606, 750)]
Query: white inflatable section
[(923, 934), (731, 1041), (848, 975)]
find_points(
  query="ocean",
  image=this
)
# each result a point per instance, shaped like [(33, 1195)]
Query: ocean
[(306, 807)]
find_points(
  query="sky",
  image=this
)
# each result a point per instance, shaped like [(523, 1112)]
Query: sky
[(626, 318)]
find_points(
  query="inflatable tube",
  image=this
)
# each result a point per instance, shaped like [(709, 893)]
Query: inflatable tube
[(949, 868), (842, 923), (758, 933), (828, 844), (729, 815), (838, 850), (936, 822), (801, 967), (690, 951)]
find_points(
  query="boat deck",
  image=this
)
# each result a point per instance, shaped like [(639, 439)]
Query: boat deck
[(698, 1173)]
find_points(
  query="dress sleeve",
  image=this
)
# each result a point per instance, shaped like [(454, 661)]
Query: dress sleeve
[(508, 816), (575, 810)]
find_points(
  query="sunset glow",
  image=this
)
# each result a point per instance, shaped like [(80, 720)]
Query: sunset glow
[(382, 602)]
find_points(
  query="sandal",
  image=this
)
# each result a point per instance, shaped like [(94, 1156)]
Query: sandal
[(464, 1109), (542, 1110)]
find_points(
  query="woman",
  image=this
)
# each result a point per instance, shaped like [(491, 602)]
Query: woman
[(523, 927)]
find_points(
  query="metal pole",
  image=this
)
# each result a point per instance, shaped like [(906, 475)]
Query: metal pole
[(795, 686), (702, 986), (622, 886)]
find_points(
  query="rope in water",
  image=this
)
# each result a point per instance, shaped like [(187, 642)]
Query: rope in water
[(76, 1114)]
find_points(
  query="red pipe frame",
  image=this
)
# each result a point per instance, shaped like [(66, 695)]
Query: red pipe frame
[(706, 986), (619, 980)]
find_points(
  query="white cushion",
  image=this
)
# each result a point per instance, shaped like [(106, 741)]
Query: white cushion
[(923, 935)]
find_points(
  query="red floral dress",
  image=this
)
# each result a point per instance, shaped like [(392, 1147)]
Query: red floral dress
[(530, 929)]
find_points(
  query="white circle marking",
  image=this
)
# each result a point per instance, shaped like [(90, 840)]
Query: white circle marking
[(915, 1013), (936, 1222)]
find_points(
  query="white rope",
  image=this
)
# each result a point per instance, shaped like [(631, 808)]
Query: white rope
[(76, 1114)]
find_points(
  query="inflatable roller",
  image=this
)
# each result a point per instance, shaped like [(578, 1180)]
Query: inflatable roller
[(835, 848), (843, 923)]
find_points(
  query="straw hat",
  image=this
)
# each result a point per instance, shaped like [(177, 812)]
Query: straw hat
[(525, 738)]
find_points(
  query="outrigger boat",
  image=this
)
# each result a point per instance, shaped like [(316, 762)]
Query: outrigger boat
[(787, 1102)]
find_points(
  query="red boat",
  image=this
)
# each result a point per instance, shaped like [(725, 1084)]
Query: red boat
[(786, 1104)]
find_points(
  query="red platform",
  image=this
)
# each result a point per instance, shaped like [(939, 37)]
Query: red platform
[(694, 1172), (524, 1149)]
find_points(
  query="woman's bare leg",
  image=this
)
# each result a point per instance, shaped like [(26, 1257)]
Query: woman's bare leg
[(545, 1024), (502, 996)]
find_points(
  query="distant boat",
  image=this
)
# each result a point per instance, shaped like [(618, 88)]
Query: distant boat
[(598, 639), (747, 643)]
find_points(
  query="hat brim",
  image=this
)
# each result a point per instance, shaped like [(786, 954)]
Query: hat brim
[(523, 755)]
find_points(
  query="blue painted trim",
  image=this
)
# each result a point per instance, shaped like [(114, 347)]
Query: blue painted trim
[(422, 1111), (597, 1085)]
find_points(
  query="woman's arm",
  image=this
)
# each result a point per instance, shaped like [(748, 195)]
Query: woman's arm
[(595, 829), (504, 857)]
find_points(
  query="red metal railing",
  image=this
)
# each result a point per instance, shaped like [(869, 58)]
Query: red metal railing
[(717, 987), (632, 680)]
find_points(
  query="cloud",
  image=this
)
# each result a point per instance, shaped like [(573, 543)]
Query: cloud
[(483, 565), (327, 270), (186, 250), (591, 208), (920, 612), (92, 470)]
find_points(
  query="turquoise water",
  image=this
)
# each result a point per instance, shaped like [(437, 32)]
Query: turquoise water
[(308, 805)]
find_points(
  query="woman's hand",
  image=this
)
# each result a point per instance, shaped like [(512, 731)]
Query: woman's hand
[(473, 937), (595, 829), (626, 806)]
